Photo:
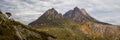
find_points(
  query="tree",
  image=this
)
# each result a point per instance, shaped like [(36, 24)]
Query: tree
[(8, 14), (0, 12)]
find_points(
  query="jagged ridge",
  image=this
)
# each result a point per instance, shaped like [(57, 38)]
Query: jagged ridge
[(79, 15)]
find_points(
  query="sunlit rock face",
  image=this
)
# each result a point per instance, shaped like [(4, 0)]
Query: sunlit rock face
[(47, 18)]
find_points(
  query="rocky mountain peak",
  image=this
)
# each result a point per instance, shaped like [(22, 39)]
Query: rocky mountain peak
[(50, 12), (52, 9), (76, 9), (48, 17), (78, 15)]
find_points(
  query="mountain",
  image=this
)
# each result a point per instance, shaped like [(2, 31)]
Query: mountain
[(79, 15), (75, 24), (50, 17), (91, 26)]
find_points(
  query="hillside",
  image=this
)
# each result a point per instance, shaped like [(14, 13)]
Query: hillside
[(14, 30)]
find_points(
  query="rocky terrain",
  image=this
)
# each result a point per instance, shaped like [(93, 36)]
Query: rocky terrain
[(76, 24), (14, 30)]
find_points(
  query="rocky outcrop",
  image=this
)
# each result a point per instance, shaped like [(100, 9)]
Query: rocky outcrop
[(95, 30)]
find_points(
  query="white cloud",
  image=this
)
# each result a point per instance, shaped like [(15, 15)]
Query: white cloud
[(28, 10)]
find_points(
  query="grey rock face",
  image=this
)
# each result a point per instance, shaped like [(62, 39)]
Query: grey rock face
[(78, 15)]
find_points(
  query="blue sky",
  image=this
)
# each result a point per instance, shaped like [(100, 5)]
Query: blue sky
[(27, 11)]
